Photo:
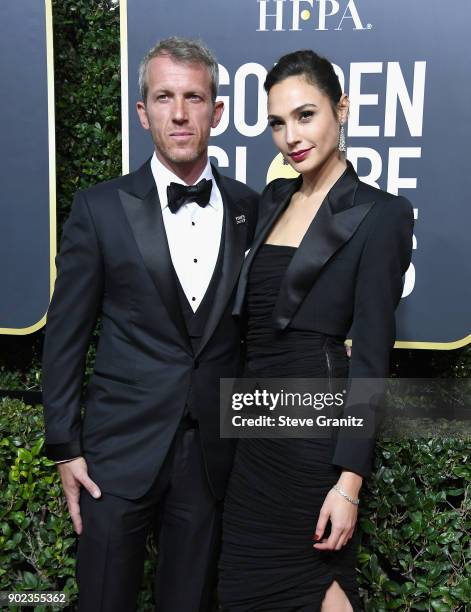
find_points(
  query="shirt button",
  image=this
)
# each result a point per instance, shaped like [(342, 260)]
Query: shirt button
[(195, 260), (193, 223), (193, 299)]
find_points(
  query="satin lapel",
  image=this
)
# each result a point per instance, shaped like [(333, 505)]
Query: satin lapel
[(280, 200), (145, 218), (234, 237), (328, 232)]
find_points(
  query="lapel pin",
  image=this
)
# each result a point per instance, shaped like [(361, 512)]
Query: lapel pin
[(240, 219)]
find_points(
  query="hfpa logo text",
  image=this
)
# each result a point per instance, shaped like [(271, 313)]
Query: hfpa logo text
[(282, 15)]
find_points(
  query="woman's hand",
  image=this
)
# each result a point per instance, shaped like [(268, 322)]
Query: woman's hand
[(342, 513)]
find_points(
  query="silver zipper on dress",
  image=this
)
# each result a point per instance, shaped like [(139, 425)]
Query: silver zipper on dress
[(329, 365)]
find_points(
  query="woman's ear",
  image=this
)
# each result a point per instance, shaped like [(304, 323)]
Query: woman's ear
[(342, 108)]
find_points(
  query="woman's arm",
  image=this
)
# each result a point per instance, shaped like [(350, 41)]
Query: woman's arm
[(378, 289), (384, 261)]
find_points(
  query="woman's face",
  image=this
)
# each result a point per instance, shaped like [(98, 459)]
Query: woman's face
[(303, 123)]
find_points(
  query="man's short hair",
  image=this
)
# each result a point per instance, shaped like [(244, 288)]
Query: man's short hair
[(181, 50)]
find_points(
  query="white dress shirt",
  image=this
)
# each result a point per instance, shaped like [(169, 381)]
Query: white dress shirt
[(193, 233)]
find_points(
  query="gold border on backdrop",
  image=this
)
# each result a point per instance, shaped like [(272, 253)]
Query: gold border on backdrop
[(401, 344), (438, 346), (441, 346), (123, 31), (22, 331)]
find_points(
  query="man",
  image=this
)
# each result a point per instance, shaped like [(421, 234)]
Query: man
[(159, 262)]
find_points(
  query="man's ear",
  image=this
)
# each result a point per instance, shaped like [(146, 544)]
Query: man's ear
[(217, 113), (142, 113)]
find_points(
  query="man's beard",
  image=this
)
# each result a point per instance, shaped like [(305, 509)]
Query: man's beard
[(182, 157), (176, 155)]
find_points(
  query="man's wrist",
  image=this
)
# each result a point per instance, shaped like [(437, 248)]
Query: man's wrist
[(65, 460)]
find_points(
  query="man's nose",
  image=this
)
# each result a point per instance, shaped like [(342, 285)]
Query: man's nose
[(180, 114)]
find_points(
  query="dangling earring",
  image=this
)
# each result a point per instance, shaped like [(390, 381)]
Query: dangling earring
[(285, 162), (342, 141)]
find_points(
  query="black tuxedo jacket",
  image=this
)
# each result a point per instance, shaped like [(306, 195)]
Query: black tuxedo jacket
[(347, 274), (115, 262)]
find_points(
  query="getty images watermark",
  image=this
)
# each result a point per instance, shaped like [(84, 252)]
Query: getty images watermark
[(318, 408), (277, 401)]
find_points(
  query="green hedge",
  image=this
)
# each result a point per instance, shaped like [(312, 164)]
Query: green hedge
[(37, 541), (416, 521), (415, 511), (415, 518), (88, 95)]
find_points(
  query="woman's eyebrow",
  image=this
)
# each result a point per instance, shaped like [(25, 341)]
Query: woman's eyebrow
[(295, 110)]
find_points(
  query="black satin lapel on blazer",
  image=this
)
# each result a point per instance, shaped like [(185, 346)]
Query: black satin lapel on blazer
[(145, 218), (234, 244), (280, 200), (334, 224)]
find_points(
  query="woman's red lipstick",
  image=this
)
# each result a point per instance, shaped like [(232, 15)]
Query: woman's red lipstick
[(298, 156)]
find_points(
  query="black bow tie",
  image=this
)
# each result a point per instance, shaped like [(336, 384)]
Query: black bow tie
[(178, 195)]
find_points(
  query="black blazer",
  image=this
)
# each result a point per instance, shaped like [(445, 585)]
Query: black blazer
[(347, 273), (115, 262)]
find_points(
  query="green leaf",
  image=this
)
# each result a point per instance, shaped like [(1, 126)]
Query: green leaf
[(455, 492), (30, 580), (18, 518), (462, 471), (367, 526), (439, 606), (24, 455)]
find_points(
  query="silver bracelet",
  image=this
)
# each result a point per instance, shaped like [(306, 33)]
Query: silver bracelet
[(352, 500)]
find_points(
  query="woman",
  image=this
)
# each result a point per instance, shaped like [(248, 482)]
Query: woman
[(329, 255)]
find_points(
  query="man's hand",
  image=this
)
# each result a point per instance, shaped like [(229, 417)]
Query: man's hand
[(74, 474)]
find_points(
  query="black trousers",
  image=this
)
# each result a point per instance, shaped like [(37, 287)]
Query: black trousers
[(186, 516)]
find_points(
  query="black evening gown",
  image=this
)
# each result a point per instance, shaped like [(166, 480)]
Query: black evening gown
[(277, 486)]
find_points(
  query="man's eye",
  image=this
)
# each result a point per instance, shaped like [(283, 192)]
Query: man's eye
[(162, 97)]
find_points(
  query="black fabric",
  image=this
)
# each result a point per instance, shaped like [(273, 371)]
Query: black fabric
[(346, 277), (178, 195), (267, 348), (186, 518), (60, 452), (277, 486), (114, 263)]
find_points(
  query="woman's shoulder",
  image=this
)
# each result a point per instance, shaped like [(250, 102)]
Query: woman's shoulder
[(281, 185), (276, 191), (386, 203)]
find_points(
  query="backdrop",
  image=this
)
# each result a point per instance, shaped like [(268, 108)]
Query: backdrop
[(27, 168), (405, 67)]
